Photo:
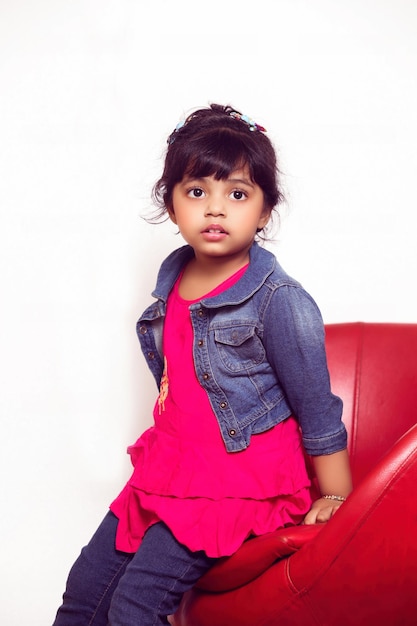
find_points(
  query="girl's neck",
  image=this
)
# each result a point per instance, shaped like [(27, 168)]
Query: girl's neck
[(202, 276)]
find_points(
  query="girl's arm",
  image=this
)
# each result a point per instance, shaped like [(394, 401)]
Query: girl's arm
[(334, 478)]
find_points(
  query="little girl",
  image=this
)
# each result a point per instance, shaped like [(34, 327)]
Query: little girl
[(237, 350)]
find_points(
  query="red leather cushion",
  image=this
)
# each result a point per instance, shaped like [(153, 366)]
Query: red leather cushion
[(373, 368)]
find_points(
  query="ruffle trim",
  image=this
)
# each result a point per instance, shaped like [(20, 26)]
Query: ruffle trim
[(219, 527)]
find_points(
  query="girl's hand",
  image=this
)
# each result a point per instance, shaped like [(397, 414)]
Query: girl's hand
[(321, 511), (333, 474)]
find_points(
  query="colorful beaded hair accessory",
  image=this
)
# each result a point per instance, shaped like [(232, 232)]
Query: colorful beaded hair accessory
[(244, 118), (235, 114)]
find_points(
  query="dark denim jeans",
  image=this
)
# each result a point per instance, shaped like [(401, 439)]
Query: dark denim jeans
[(108, 587)]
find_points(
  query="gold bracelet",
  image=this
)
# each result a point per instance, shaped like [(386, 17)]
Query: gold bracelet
[(338, 498)]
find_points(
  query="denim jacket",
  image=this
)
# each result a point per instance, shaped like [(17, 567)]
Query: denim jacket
[(258, 351)]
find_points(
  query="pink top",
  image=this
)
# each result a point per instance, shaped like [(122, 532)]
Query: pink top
[(211, 500)]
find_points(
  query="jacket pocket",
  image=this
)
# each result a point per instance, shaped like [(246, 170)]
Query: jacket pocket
[(239, 347)]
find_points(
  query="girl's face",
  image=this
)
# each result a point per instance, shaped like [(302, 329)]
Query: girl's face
[(219, 218)]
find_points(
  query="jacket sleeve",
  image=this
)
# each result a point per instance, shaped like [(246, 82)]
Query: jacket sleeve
[(293, 336)]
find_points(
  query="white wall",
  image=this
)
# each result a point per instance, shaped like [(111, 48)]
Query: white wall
[(89, 90)]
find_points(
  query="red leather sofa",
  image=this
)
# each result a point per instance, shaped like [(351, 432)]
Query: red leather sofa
[(361, 567)]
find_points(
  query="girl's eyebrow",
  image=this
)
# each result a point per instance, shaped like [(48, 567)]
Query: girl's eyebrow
[(241, 181), (193, 179), (235, 181)]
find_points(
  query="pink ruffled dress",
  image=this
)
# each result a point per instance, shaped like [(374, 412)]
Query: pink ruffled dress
[(211, 500)]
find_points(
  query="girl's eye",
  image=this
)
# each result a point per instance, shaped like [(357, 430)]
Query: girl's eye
[(195, 192), (237, 194)]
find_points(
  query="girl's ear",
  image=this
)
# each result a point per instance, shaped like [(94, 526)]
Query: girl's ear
[(264, 219), (171, 215)]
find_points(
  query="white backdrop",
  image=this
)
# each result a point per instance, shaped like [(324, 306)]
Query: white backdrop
[(89, 90)]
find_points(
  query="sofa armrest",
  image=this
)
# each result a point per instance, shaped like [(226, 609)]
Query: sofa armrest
[(379, 509), (255, 556)]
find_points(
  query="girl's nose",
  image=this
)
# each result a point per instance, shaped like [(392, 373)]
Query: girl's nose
[(215, 206)]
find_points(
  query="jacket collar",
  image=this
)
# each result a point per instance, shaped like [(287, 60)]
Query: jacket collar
[(261, 264)]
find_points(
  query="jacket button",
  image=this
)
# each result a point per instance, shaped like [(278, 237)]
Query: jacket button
[(223, 405), (151, 356), (232, 432), (200, 313), (206, 376), (200, 343), (143, 330)]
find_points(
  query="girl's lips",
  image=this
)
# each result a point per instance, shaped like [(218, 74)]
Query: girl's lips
[(215, 228), (214, 233)]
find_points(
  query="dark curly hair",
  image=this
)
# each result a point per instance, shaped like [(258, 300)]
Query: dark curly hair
[(215, 141)]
